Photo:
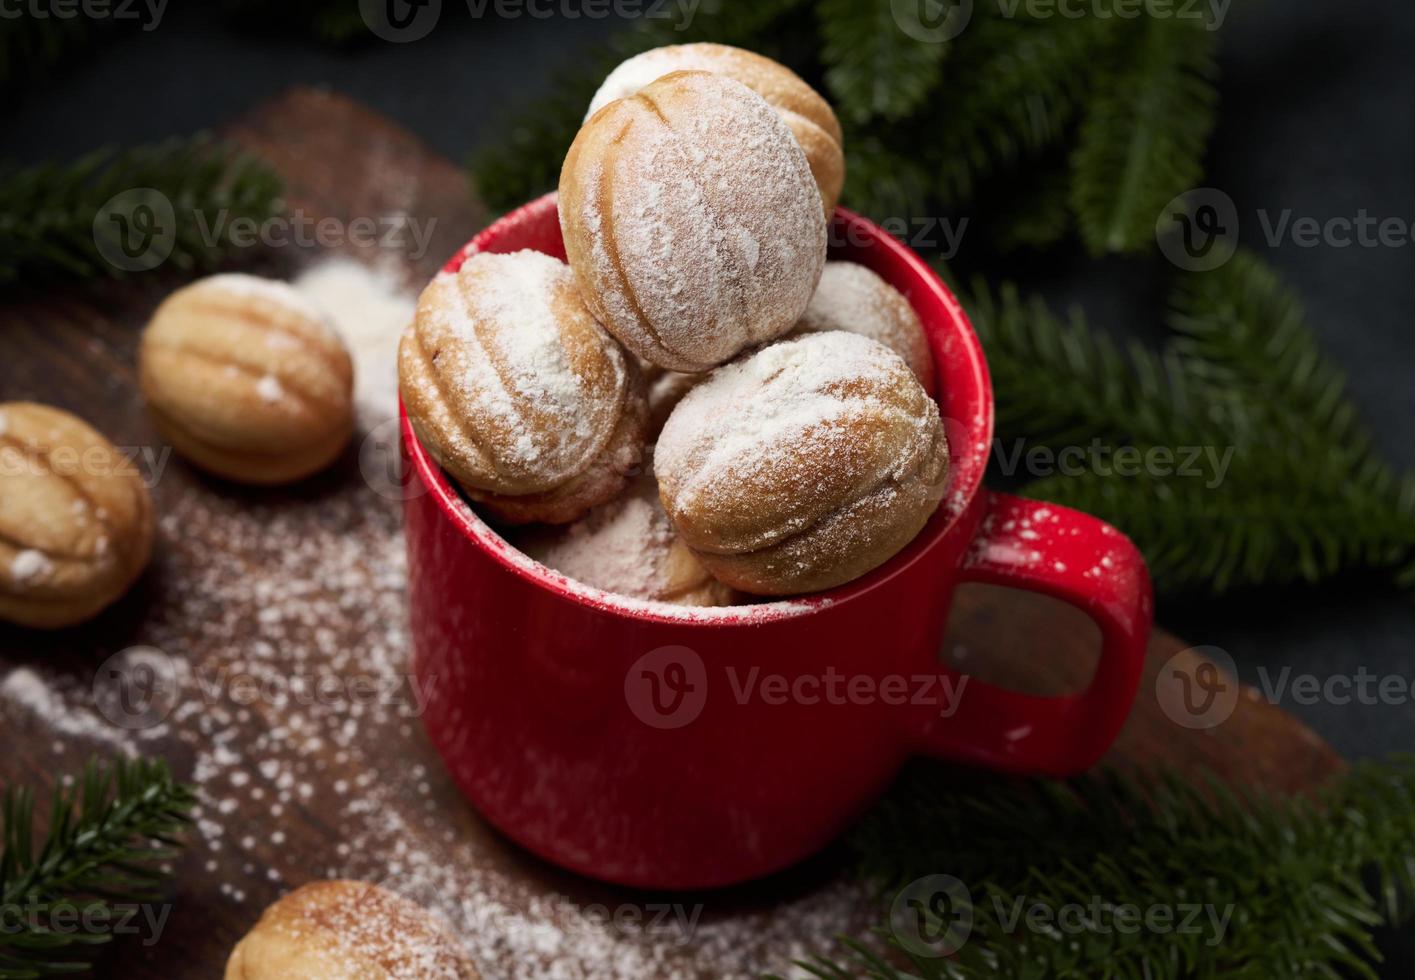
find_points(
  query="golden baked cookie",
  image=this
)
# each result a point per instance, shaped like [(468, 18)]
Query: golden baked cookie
[(692, 221), (628, 547), (810, 117), (347, 930), (247, 380), (804, 465), (518, 392), (853, 298), (75, 518)]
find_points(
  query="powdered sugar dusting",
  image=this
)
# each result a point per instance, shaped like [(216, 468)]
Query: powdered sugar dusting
[(851, 297), (29, 565), (754, 418), (704, 226), (512, 321), (304, 604), (621, 547), (370, 306)]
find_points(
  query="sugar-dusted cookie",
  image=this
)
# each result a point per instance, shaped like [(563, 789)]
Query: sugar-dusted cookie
[(247, 380), (347, 930), (692, 221), (803, 466), (810, 117), (75, 518), (518, 392)]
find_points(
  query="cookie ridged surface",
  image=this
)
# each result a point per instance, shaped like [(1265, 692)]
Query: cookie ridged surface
[(347, 930), (811, 119), (247, 380), (516, 389), (76, 522), (692, 221), (853, 298), (804, 465)]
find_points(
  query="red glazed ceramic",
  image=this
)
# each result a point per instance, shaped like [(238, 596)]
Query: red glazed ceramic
[(665, 747)]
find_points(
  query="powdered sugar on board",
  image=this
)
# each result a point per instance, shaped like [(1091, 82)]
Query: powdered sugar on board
[(280, 659), (370, 307)]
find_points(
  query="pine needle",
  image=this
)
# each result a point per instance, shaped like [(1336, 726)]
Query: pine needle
[(109, 835), (49, 227), (874, 67), (1143, 138), (1275, 887)]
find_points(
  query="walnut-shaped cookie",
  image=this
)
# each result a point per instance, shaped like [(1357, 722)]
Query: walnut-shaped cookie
[(853, 298), (804, 465), (247, 380), (519, 393), (75, 518), (348, 930), (692, 221), (628, 547), (810, 117)]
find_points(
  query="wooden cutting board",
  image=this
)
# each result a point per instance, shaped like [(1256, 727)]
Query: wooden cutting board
[(268, 590)]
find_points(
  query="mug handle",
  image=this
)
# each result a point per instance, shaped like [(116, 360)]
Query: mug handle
[(1081, 560)]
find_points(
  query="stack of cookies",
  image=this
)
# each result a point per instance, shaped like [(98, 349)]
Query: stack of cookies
[(797, 444)]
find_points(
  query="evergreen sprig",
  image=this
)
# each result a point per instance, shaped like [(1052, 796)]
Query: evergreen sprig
[(1303, 495), (48, 213), (927, 122), (1291, 874), (109, 834), (1143, 138), (874, 68)]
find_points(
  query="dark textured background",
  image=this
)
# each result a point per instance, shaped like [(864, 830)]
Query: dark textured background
[(1317, 107)]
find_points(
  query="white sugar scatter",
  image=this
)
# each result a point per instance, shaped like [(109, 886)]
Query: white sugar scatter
[(257, 596), (269, 388), (370, 307), (29, 565), (55, 707)]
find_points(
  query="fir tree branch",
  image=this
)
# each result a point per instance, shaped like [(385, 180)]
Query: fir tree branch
[(47, 213), (108, 837), (527, 163), (874, 68), (1290, 873), (1284, 486), (1143, 138)]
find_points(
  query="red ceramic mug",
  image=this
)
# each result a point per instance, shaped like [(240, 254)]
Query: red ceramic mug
[(664, 747)]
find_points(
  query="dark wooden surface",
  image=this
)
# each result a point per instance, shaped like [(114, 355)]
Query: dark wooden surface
[(307, 579)]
